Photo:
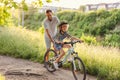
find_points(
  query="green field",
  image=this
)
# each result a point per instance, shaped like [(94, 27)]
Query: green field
[(103, 62)]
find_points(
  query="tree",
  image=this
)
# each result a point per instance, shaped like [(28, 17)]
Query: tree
[(5, 5), (82, 8)]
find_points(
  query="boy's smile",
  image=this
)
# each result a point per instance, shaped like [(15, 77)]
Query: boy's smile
[(64, 27)]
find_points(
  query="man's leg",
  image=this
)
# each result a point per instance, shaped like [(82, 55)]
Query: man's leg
[(48, 45)]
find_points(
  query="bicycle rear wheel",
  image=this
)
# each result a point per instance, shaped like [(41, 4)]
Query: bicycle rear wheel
[(49, 57), (78, 69)]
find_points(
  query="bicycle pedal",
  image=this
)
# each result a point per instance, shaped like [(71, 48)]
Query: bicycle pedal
[(69, 61), (60, 64)]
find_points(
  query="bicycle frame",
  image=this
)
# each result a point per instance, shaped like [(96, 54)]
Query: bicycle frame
[(69, 52), (75, 61)]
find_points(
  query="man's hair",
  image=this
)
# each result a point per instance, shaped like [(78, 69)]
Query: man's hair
[(62, 23), (47, 11)]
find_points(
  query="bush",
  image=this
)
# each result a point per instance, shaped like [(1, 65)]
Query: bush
[(89, 39), (34, 21), (41, 30), (112, 40), (21, 43), (102, 14), (100, 61), (95, 23), (4, 16)]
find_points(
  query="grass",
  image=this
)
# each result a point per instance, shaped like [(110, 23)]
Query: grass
[(21, 43), (101, 61), (2, 77), (104, 62)]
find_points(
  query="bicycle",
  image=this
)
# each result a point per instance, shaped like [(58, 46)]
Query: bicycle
[(77, 65)]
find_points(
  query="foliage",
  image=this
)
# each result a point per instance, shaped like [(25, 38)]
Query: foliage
[(89, 39), (21, 43), (33, 20), (112, 40), (100, 61), (41, 30), (6, 5), (4, 15), (94, 23), (2, 77), (82, 8)]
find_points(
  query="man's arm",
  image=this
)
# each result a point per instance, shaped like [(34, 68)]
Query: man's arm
[(57, 21), (47, 31), (49, 36)]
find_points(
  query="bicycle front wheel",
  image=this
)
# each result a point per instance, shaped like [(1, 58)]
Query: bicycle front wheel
[(49, 57), (78, 69)]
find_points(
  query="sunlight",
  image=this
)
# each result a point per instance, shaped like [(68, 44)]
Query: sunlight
[(71, 3), (2, 77)]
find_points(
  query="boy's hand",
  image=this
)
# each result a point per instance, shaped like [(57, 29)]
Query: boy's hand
[(81, 41), (59, 42), (62, 43)]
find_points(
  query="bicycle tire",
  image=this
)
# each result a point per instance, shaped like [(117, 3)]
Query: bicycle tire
[(47, 63), (79, 74)]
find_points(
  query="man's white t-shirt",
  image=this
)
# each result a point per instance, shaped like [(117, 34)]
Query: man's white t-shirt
[(51, 26)]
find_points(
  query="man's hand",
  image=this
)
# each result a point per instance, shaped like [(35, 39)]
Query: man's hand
[(59, 42)]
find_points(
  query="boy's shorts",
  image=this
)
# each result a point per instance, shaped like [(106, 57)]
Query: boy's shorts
[(58, 46)]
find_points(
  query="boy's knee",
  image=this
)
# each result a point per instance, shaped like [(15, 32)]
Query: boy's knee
[(70, 46)]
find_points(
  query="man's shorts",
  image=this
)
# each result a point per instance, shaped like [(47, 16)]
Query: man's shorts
[(47, 42)]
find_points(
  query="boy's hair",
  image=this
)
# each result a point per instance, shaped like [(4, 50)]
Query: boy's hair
[(62, 23), (47, 11)]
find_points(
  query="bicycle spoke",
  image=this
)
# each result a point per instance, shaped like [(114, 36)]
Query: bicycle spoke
[(78, 69), (48, 59)]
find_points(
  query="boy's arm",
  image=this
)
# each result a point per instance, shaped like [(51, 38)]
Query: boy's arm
[(73, 38), (56, 39)]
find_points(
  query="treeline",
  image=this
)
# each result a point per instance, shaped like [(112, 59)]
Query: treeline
[(102, 24)]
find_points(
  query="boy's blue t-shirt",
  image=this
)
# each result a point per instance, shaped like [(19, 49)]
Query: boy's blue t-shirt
[(60, 37)]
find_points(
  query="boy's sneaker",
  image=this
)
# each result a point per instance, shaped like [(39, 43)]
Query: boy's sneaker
[(55, 65)]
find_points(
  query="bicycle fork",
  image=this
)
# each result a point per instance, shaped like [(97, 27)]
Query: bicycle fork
[(76, 55)]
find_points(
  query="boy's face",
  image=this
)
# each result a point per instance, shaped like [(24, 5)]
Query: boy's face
[(64, 27)]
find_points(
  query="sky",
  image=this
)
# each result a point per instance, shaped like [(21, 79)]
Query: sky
[(77, 3), (74, 3)]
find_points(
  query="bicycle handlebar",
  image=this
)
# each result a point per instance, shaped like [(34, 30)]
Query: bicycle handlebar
[(73, 42)]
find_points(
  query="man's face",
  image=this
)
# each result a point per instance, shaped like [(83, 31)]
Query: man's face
[(49, 15)]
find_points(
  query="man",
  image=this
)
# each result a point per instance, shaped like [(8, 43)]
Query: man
[(50, 26)]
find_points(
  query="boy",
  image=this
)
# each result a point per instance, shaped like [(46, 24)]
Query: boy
[(59, 44)]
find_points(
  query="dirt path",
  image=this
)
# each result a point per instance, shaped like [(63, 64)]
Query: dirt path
[(19, 69)]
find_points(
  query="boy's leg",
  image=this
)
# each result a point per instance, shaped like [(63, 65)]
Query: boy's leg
[(62, 52), (61, 55), (57, 60)]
